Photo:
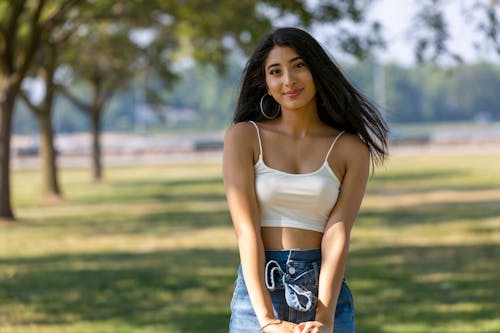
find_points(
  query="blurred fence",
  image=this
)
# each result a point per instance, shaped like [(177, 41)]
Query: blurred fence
[(126, 148)]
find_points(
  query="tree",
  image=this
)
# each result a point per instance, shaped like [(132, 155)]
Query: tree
[(203, 89), (473, 92), (22, 25), (430, 33), (46, 64), (404, 97), (107, 62), (107, 56)]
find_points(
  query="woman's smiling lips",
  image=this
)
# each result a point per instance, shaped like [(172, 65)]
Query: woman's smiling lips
[(293, 93)]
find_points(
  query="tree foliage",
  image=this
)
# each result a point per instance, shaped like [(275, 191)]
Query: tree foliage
[(431, 32), (430, 93)]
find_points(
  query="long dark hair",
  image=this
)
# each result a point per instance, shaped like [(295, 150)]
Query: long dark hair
[(339, 103)]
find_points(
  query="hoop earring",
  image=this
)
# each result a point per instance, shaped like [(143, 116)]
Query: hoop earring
[(262, 109)]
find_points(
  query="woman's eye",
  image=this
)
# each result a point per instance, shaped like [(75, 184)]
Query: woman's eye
[(299, 64), (274, 71)]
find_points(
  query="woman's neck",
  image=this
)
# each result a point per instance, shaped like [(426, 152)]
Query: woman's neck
[(299, 123)]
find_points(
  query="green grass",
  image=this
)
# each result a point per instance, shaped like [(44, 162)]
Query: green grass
[(152, 250)]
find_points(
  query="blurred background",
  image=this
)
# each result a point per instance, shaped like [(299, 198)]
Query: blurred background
[(112, 117)]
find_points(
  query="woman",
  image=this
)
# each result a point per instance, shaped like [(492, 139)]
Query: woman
[(295, 168)]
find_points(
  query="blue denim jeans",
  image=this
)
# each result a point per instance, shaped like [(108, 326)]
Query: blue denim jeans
[(292, 279)]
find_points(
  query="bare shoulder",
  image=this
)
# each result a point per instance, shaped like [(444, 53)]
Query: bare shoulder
[(240, 151), (243, 132), (352, 148), (241, 140)]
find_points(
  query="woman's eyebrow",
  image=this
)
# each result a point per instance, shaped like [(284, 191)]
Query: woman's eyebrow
[(290, 61)]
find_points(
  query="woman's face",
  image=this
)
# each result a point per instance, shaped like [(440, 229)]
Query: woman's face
[(289, 80)]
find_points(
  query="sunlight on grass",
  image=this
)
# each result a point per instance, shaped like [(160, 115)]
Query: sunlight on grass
[(152, 249)]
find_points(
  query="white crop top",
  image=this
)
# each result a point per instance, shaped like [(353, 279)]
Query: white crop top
[(301, 201)]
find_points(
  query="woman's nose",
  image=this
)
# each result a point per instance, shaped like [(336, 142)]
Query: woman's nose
[(289, 77)]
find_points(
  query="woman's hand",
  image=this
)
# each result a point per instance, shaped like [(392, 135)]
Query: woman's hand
[(281, 326), (313, 327)]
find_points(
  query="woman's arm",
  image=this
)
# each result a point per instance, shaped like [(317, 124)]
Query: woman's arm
[(238, 173), (355, 159)]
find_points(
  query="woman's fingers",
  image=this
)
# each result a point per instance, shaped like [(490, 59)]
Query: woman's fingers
[(309, 327)]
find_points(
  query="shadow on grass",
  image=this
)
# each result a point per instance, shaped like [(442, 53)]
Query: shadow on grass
[(130, 191), (190, 290), (421, 181), (417, 175), (159, 222), (434, 213), (427, 286), (182, 289), (190, 204)]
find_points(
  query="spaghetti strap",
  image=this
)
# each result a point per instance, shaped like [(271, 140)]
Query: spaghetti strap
[(258, 136), (333, 144)]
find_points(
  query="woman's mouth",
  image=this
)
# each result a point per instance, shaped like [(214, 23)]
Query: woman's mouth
[(293, 93)]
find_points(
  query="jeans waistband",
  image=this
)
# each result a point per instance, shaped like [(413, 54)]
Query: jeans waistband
[(282, 256)]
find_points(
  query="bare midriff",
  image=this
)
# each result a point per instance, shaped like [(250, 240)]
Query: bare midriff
[(279, 238)]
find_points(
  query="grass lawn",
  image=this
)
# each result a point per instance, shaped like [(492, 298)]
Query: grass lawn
[(152, 249)]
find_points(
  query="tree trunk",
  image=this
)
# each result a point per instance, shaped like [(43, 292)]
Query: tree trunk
[(95, 123), (95, 116), (94, 111), (7, 102), (50, 183)]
